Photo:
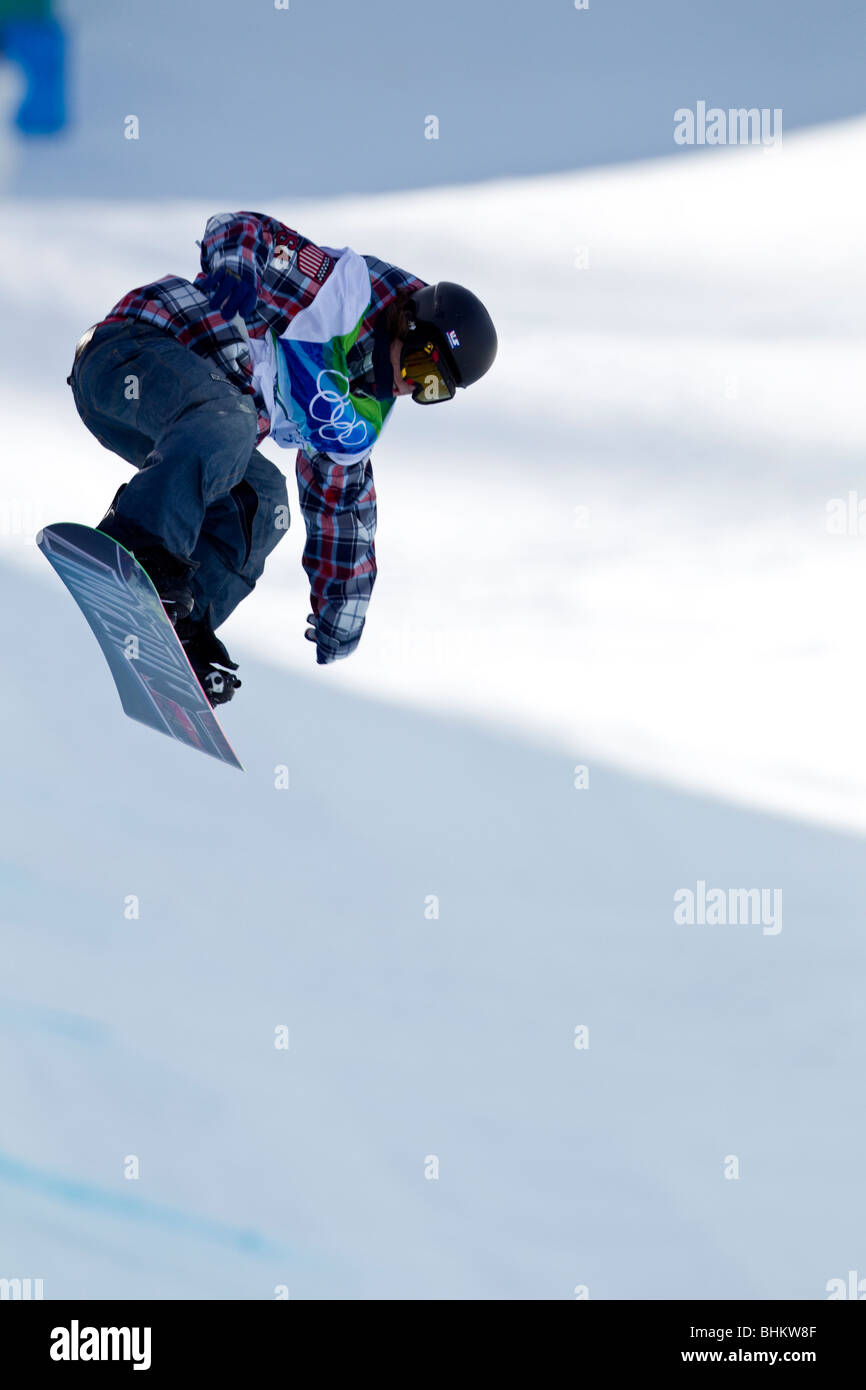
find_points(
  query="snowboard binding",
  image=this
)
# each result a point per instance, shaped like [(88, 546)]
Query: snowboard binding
[(208, 658)]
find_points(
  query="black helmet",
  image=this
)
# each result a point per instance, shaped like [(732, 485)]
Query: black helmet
[(461, 324)]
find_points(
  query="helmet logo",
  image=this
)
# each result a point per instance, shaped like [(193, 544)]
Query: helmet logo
[(452, 338)]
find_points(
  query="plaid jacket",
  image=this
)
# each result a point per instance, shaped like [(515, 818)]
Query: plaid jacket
[(338, 501)]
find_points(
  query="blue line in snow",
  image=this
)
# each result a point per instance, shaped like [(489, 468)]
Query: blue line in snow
[(80, 1194)]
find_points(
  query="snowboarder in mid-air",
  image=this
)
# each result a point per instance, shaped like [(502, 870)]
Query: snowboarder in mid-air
[(276, 336)]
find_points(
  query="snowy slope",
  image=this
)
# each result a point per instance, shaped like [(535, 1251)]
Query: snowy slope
[(697, 389), (409, 1036), (617, 541)]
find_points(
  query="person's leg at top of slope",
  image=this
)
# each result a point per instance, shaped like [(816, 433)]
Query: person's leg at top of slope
[(276, 337)]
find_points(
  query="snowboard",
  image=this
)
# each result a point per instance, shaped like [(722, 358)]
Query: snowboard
[(155, 682)]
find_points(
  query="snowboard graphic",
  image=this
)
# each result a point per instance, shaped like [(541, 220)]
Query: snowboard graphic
[(155, 682)]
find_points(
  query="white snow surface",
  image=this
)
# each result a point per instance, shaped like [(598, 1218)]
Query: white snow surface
[(694, 637)]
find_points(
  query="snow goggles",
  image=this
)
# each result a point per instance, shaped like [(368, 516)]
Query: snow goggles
[(423, 362)]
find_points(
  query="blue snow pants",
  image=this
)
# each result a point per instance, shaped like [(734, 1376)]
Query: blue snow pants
[(201, 487)]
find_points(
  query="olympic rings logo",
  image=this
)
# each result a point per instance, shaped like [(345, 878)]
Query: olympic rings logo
[(341, 425)]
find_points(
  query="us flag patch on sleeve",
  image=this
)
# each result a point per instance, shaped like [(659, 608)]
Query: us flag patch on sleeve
[(313, 261)]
